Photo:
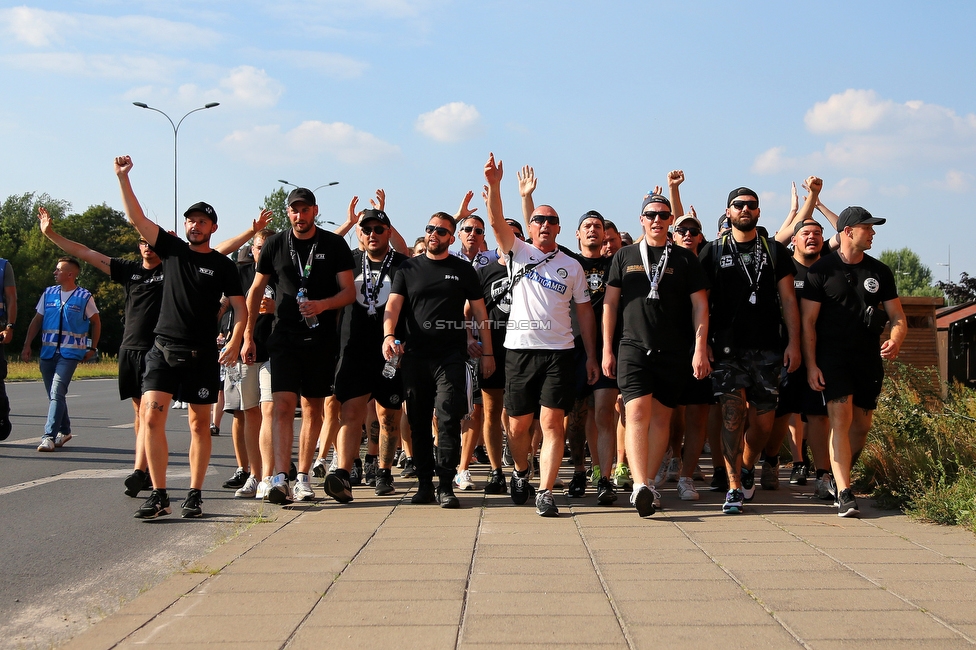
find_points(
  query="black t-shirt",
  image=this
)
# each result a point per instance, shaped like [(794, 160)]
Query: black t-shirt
[(498, 300), (357, 328), (595, 270), (435, 292), (143, 295), (843, 291), (262, 326), (192, 286), (734, 321), (327, 254), (665, 324)]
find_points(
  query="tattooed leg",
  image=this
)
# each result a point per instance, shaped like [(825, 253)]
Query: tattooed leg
[(733, 439)]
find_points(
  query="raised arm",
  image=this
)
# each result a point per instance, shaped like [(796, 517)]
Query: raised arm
[(496, 217), (133, 211), (82, 252), (463, 211), (675, 178), (228, 246), (352, 218), (527, 184), (834, 241), (813, 185)]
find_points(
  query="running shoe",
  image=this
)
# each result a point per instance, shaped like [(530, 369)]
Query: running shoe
[(825, 487), (769, 479), (605, 494), (62, 438), (318, 468), (446, 497), (847, 504), (799, 474), (47, 444), (278, 493), (577, 486), (384, 482), (720, 480), (496, 482), (248, 490), (157, 505), (595, 475), (214, 430), (356, 473), (338, 487), (237, 480), (463, 480), (674, 470), (622, 478), (409, 469), (136, 482), (662, 471), (424, 494), (481, 455), (519, 487), (686, 489), (264, 486), (192, 506), (643, 499), (545, 505), (733, 502), (302, 491), (507, 456), (748, 484), (370, 468)]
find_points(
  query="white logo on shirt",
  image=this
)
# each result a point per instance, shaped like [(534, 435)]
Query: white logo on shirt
[(725, 262), (452, 277), (206, 271), (871, 285)]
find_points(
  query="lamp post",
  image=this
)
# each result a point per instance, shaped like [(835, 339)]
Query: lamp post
[(176, 130), (313, 191)]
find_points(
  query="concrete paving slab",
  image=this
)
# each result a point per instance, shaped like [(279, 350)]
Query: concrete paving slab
[(769, 635), (411, 609), (358, 590), (490, 582), (227, 629), (742, 610), (550, 604), (803, 599), (575, 628), (675, 588), (853, 624), (405, 637)]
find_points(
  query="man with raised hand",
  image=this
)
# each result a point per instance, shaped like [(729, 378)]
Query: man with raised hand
[(540, 365), (64, 313), (313, 271), (658, 291), (184, 358), (747, 273), (424, 325), (848, 298)]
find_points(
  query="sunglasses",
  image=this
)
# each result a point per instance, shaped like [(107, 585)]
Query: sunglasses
[(650, 215), (369, 230), (739, 205), (477, 231), (544, 218), (694, 232), (441, 232)]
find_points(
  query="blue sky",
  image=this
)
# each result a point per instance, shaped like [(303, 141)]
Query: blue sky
[(603, 99)]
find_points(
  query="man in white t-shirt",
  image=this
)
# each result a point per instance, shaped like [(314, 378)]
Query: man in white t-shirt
[(539, 362)]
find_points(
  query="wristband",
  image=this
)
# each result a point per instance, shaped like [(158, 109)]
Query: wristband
[(388, 336), (487, 355), (10, 325)]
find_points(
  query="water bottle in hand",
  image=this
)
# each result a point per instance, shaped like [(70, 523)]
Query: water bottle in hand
[(311, 321), (389, 370)]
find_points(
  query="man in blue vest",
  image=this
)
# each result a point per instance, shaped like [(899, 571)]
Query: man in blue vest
[(64, 313), (8, 317)]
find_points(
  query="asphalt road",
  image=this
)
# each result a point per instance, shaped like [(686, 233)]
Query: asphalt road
[(71, 551)]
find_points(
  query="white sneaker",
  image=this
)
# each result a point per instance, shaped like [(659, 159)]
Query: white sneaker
[(262, 490), (248, 490), (47, 444), (662, 472), (686, 489), (674, 470), (463, 480), (334, 464), (62, 438), (302, 491)]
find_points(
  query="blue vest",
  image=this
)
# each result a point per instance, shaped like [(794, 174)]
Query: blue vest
[(65, 327)]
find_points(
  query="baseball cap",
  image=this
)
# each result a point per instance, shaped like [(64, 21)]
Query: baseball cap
[(724, 223), (376, 215), (655, 198), (205, 208), (800, 225), (515, 224), (685, 218), (854, 216), (590, 214), (301, 194), (740, 191)]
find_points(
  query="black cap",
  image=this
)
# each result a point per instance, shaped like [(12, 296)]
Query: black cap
[(854, 215), (740, 191), (515, 224), (590, 214), (376, 215), (655, 198), (724, 223), (800, 225), (300, 194), (205, 208)]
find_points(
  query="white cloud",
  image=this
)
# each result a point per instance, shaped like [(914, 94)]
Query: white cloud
[(249, 86), (337, 66), (849, 190), (268, 145), (35, 27), (772, 161), (954, 181), (851, 110), (452, 122), (127, 68)]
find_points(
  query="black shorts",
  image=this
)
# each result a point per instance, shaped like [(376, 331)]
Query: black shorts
[(198, 383), (497, 378), (796, 396), (535, 378), (697, 391), (858, 375), (132, 366), (306, 370), (756, 371), (360, 373), (651, 372), (583, 389)]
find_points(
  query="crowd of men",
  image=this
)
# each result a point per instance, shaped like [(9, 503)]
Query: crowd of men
[(635, 354)]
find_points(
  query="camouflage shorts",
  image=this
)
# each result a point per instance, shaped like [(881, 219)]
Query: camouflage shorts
[(756, 371)]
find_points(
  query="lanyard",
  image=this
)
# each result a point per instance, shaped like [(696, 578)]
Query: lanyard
[(658, 272), (759, 261), (303, 270), (372, 292)]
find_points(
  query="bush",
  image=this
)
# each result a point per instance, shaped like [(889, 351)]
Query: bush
[(921, 452)]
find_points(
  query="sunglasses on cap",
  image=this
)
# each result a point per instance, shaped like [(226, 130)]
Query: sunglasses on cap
[(650, 215), (369, 230), (681, 230), (477, 231), (545, 218), (739, 205), (441, 232)]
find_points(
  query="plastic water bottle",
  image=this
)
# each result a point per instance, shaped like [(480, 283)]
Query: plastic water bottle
[(234, 374), (311, 321), (389, 370)]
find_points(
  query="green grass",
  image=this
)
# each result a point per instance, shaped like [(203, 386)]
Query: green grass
[(18, 370)]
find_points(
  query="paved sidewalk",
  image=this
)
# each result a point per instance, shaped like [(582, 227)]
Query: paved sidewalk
[(382, 573)]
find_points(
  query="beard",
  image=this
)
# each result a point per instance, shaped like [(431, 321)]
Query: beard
[(744, 225), (436, 246)]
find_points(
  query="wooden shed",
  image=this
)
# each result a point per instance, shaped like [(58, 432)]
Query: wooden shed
[(921, 346), (956, 327)]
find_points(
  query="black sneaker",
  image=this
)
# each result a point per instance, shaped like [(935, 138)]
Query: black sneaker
[(545, 505), (409, 469), (338, 488), (237, 480), (384, 482), (293, 473), (643, 500), (192, 507), (5, 426), (748, 484), (496, 483), (720, 480), (577, 486), (520, 488), (481, 455), (356, 473), (214, 430), (156, 505), (445, 497), (605, 494), (507, 456), (135, 482), (799, 474), (369, 471), (424, 493), (847, 504)]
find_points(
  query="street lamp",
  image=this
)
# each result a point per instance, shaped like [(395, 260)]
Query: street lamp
[(176, 130), (313, 191)]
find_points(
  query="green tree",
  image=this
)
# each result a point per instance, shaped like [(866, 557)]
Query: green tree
[(959, 292), (276, 203), (911, 276)]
